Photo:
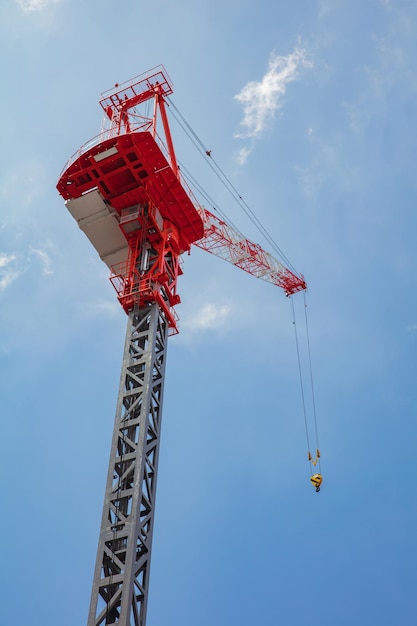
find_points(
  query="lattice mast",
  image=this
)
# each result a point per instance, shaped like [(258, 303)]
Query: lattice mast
[(121, 577), (125, 191)]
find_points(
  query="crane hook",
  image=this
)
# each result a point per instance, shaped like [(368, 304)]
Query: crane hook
[(316, 480)]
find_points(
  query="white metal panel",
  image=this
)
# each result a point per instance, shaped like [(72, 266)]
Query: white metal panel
[(100, 223)]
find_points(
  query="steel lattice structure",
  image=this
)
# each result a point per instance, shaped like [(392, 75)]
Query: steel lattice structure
[(229, 244), (121, 577)]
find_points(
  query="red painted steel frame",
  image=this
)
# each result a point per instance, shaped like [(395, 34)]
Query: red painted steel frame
[(129, 168), (138, 177), (227, 243)]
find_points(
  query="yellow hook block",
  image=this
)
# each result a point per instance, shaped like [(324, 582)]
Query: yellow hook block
[(316, 480)]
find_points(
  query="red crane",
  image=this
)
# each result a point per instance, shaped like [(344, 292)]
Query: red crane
[(125, 190)]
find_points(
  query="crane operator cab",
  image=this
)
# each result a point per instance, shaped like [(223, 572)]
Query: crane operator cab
[(316, 480)]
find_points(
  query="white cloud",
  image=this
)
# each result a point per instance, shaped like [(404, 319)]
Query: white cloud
[(209, 316), (7, 272), (262, 99), (45, 260), (36, 5), (101, 305), (5, 259), (243, 155), (11, 267), (325, 7)]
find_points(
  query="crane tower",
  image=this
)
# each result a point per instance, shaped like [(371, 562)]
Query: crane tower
[(125, 190)]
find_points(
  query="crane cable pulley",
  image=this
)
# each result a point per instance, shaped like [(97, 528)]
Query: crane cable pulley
[(316, 460), (316, 478)]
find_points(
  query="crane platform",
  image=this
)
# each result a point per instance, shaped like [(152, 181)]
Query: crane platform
[(128, 170)]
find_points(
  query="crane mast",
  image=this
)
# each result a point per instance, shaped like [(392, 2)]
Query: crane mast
[(121, 575), (126, 193)]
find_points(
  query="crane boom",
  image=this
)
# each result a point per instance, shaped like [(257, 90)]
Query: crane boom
[(229, 244)]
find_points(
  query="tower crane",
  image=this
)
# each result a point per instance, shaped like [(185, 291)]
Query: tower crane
[(126, 192)]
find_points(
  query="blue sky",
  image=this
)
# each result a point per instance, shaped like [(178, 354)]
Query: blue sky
[(310, 109)]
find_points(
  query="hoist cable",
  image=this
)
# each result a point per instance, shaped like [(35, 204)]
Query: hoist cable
[(188, 176), (317, 461), (252, 216), (311, 380), (227, 183), (193, 182), (229, 186), (300, 374)]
